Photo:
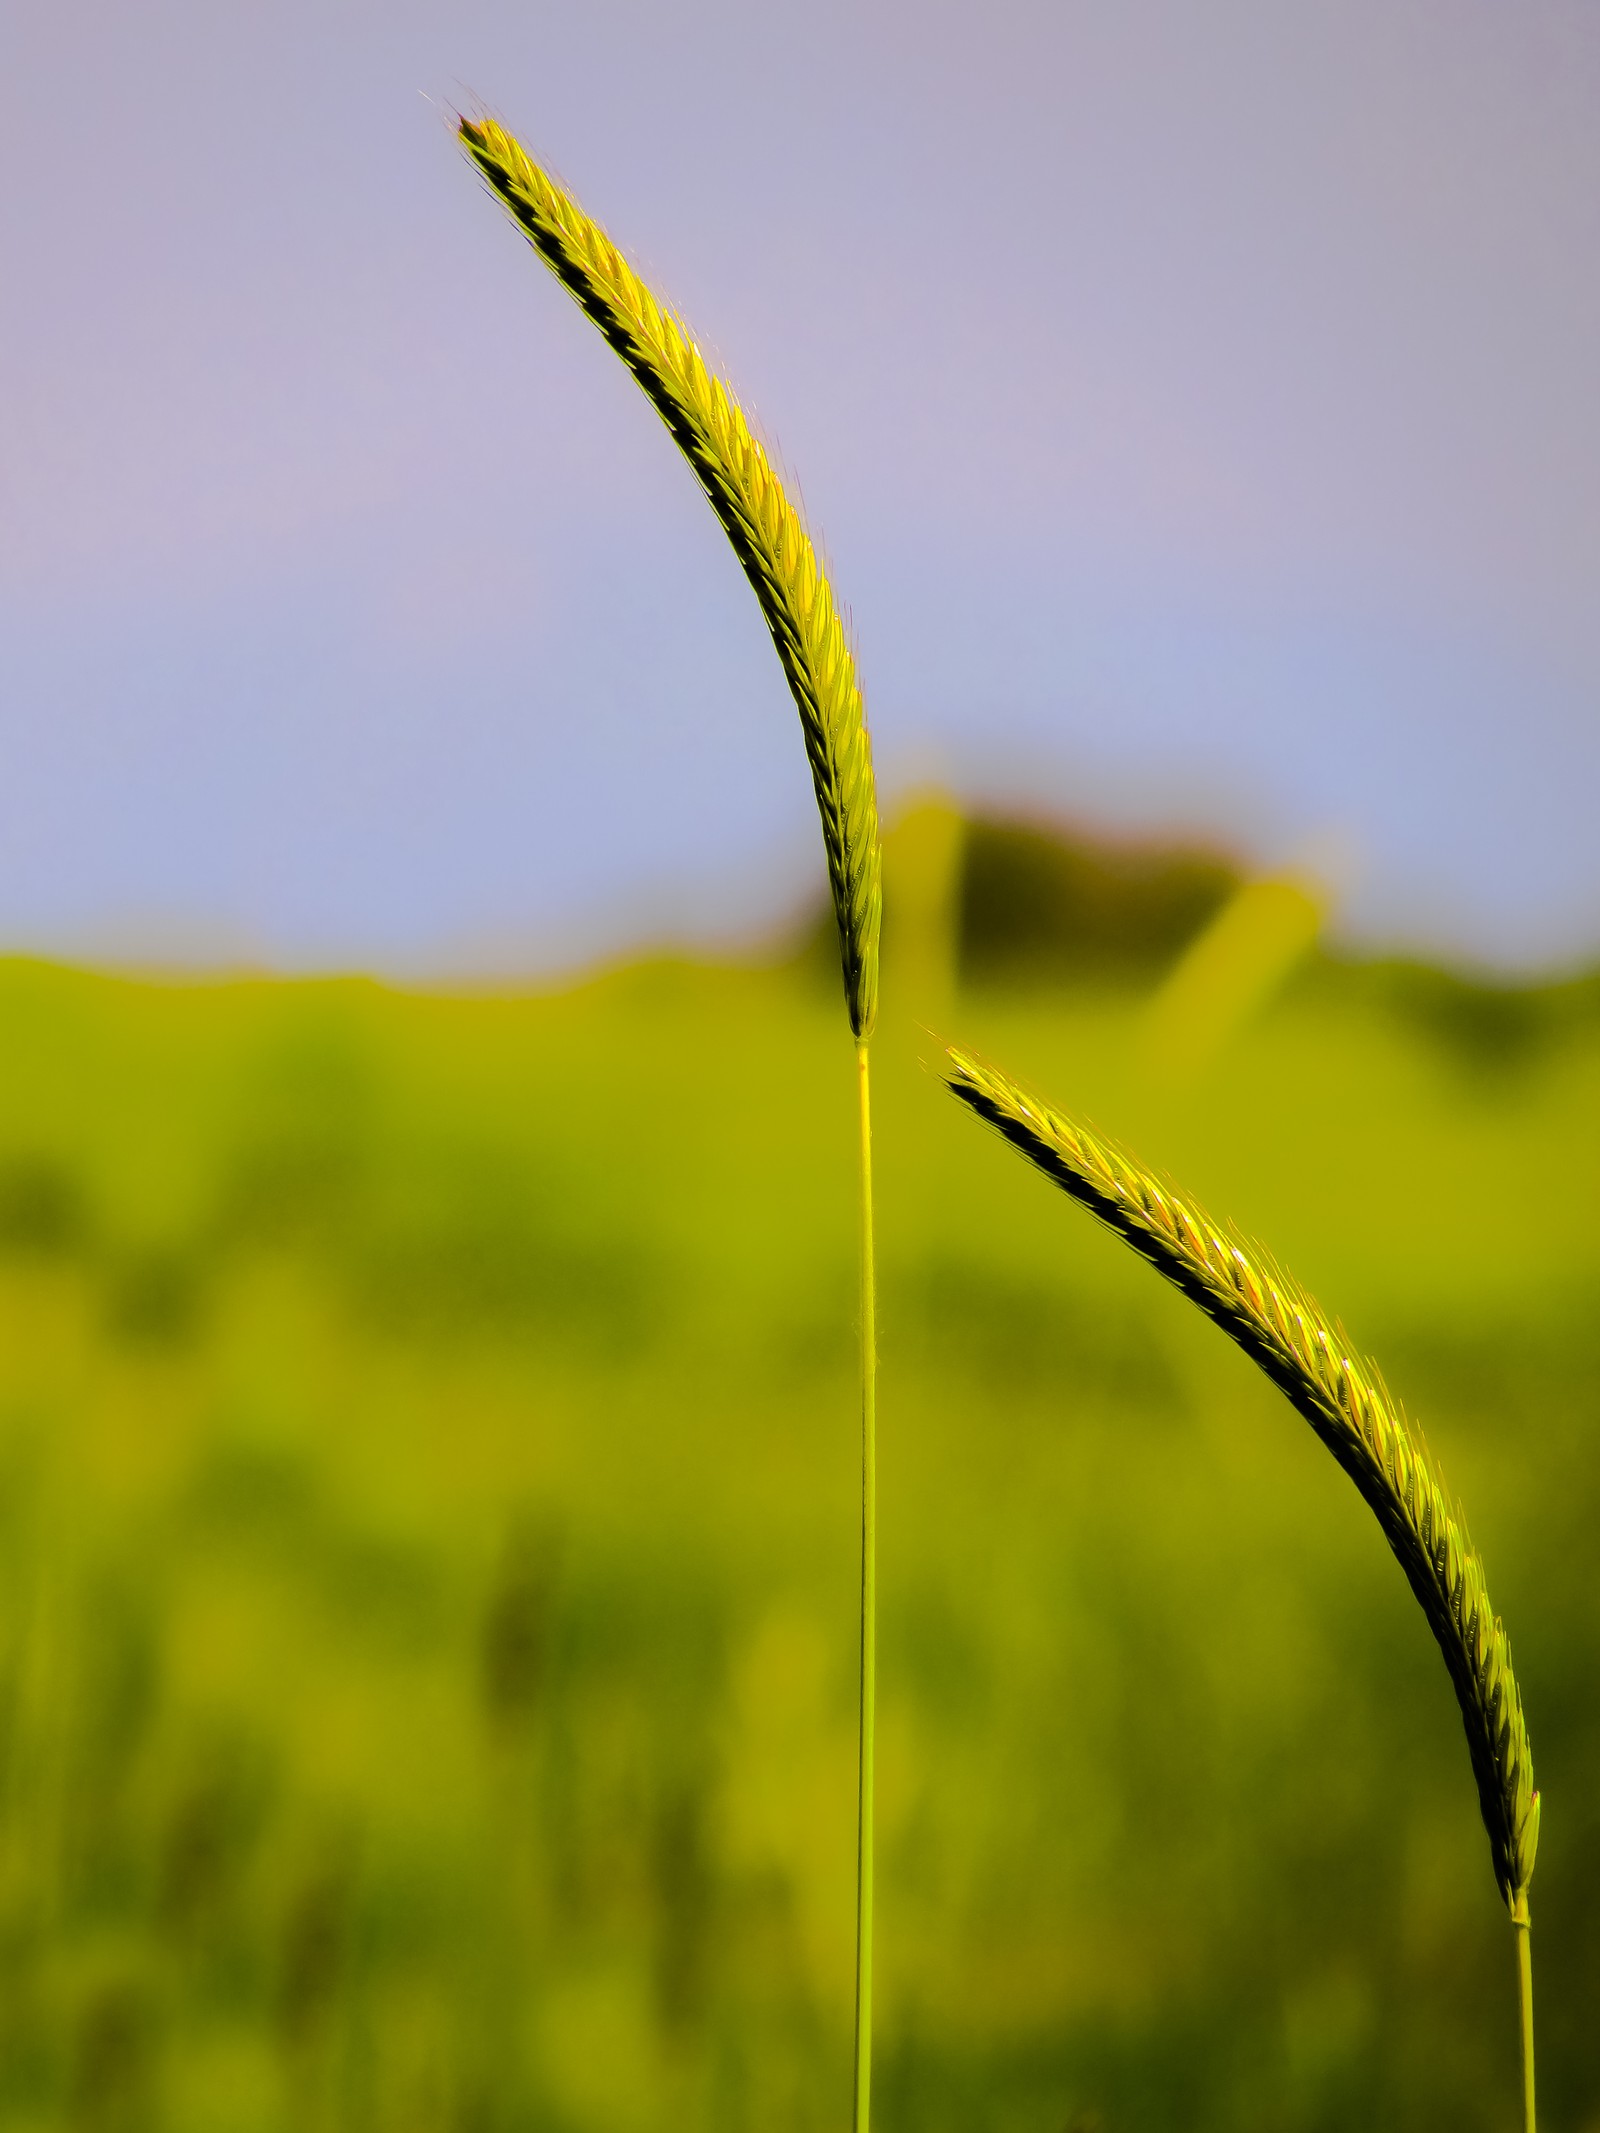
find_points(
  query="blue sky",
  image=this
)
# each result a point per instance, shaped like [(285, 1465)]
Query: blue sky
[(1197, 407)]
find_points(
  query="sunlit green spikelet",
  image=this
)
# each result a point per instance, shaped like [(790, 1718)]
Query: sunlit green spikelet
[(766, 531), (1346, 1402)]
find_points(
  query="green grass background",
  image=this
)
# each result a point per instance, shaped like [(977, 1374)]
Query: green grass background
[(428, 1501)]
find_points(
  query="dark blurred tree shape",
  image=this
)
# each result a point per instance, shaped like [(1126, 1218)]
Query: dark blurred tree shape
[(1047, 906)]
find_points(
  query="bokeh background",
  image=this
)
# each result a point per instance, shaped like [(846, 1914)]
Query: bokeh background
[(427, 1429)]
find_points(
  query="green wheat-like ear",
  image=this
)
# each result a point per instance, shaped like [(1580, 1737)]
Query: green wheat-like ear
[(767, 533), (1344, 1399)]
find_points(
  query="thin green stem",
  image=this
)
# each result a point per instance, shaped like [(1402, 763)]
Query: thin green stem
[(869, 1612), (1522, 1924)]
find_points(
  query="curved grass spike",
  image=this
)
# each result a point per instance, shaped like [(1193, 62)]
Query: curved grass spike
[(1345, 1400), (766, 531), (770, 541)]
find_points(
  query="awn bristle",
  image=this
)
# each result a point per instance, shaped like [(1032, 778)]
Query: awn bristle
[(767, 533), (1344, 1399)]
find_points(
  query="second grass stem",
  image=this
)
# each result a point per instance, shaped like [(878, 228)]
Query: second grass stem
[(869, 1611), (1522, 1926)]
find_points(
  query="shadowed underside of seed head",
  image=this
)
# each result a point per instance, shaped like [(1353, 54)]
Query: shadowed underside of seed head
[(1344, 1399), (767, 533)]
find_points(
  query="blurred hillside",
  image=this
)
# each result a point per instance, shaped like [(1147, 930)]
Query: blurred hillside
[(428, 1482)]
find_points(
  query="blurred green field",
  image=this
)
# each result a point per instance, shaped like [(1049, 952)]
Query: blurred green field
[(428, 1491)]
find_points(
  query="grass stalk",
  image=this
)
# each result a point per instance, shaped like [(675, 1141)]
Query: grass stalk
[(869, 1613), (1343, 1397), (809, 634), (1523, 1923)]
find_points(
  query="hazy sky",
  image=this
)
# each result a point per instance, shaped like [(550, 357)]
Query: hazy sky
[(1200, 408)]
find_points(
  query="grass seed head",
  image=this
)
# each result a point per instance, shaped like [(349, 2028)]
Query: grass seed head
[(1345, 1400), (767, 533)]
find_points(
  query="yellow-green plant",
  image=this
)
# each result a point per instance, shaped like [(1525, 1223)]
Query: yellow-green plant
[(771, 542), (1344, 1399)]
